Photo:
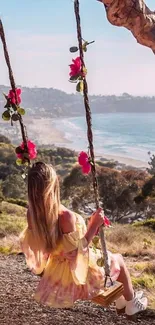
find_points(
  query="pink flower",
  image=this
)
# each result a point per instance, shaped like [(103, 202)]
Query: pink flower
[(86, 168), (106, 222), (31, 150), (75, 67), (12, 96), (83, 160)]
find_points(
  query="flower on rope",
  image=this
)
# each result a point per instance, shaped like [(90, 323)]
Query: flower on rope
[(76, 71), (75, 67), (12, 96), (84, 162), (12, 107), (32, 152), (86, 169), (106, 223)]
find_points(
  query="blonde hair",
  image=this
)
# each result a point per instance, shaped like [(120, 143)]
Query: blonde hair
[(44, 205)]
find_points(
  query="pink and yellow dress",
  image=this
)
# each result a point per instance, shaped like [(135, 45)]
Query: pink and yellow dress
[(70, 272)]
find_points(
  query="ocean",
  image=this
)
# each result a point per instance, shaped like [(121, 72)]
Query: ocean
[(124, 135)]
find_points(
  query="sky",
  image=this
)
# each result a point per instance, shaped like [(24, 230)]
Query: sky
[(39, 34)]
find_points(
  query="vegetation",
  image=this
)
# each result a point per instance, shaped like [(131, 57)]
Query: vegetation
[(118, 192), (12, 185), (12, 222), (122, 192), (131, 240), (150, 223)]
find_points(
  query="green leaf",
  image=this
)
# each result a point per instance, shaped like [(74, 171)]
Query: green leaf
[(6, 97), (26, 155), (100, 262), (79, 86), (21, 111), (84, 48), (26, 163), (94, 249), (6, 116), (14, 106), (8, 106), (74, 78), (95, 240), (73, 49), (19, 150), (15, 117), (19, 162)]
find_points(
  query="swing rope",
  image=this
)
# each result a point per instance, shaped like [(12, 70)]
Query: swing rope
[(13, 87), (90, 137)]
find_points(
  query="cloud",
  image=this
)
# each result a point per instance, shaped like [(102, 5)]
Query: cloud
[(113, 66)]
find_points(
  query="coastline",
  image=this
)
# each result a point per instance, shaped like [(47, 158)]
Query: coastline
[(44, 132), (47, 133), (124, 161)]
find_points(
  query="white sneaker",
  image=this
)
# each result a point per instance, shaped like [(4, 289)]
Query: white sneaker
[(135, 306), (121, 302)]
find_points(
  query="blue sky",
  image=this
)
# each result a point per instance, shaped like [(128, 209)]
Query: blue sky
[(40, 32)]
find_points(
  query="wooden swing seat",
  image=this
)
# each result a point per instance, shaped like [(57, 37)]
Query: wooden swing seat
[(109, 294)]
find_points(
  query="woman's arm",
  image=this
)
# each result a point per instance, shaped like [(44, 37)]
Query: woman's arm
[(68, 223)]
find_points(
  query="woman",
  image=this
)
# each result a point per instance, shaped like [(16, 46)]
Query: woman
[(56, 245)]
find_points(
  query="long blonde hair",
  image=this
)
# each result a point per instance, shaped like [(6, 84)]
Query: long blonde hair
[(44, 205)]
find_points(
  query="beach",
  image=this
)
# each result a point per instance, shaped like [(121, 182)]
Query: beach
[(110, 144), (46, 132), (126, 161)]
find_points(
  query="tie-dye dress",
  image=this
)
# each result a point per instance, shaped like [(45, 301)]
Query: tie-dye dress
[(70, 272)]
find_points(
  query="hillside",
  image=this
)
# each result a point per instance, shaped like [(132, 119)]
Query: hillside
[(125, 194), (43, 102)]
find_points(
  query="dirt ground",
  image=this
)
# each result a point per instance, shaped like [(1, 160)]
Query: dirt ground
[(17, 306)]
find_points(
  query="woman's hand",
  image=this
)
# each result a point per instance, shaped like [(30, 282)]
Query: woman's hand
[(97, 218)]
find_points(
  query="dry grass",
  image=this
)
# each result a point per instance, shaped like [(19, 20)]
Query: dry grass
[(12, 222), (13, 209), (131, 241), (9, 245), (144, 281), (146, 267)]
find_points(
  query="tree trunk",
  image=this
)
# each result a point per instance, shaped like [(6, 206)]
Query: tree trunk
[(135, 16)]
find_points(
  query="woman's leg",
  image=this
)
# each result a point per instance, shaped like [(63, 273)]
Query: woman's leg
[(125, 278), (133, 302)]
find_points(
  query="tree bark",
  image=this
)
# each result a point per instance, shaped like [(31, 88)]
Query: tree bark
[(135, 16)]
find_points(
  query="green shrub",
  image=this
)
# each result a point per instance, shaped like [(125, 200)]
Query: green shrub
[(150, 223), (22, 203)]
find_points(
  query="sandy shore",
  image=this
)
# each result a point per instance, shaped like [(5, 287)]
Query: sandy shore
[(44, 132), (126, 161)]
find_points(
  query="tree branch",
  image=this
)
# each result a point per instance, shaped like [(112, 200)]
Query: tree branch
[(135, 16)]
